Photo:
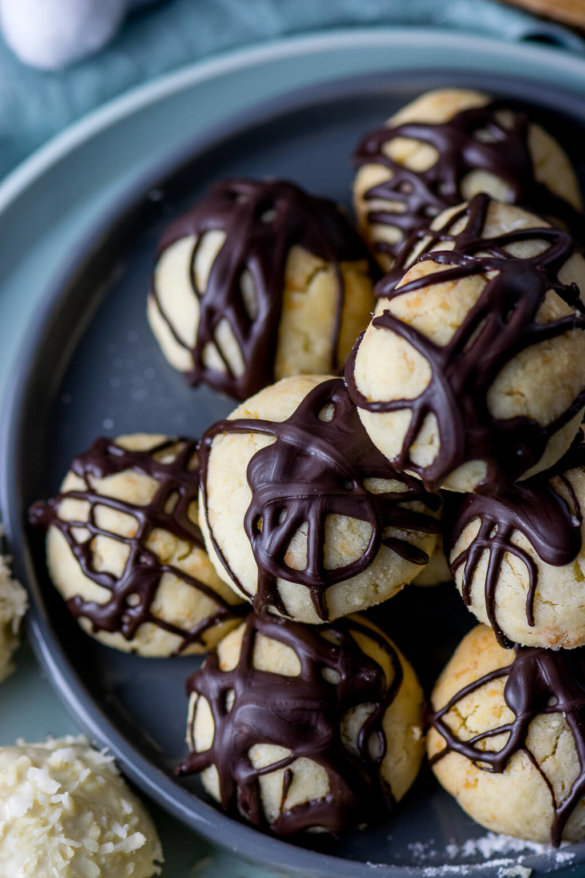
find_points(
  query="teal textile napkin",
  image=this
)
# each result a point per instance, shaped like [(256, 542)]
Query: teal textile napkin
[(171, 33)]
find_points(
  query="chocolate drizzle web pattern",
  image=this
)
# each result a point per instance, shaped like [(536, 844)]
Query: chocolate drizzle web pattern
[(134, 591), (550, 520), (502, 323), (262, 221), (304, 715), (539, 681), (474, 139), (316, 467)]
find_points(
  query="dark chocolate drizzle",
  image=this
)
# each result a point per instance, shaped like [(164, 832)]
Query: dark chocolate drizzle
[(538, 681), (133, 593), (314, 469), (303, 714), (474, 139), (262, 220), (550, 522), (502, 323)]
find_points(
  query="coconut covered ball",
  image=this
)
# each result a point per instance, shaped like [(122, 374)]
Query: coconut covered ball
[(13, 606), (471, 374), (303, 728), (258, 281), (519, 557), (65, 811), (125, 550), (444, 148), (507, 737), (300, 512)]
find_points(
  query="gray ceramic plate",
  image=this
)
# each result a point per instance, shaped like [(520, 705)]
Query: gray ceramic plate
[(92, 367)]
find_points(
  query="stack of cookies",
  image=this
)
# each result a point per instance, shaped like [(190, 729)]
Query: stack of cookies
[(307, 717), (455, 428), (471, 376)]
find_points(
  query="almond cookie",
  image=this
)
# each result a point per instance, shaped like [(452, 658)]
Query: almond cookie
[(519, 557), (507, 737), (125, 550), (471, 374), (303, 728), (444, 148), (301, 514), (258, 281)]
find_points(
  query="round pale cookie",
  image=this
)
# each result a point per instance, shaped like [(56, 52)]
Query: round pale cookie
[(519, 557), (337, 732), (65, 811), (300, 512), (507, 737), (444, 148), (470, 374), (13, 606), (437, 570), (258, 281), (125, 550)]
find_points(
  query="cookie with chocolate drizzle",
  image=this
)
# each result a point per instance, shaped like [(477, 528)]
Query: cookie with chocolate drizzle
[(302, 728), (258, 281), (519, 560), (471, 374), (507, 737), (444, 148), (125, 550), (301, 513)]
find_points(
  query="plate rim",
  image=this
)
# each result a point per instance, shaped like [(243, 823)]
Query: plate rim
[(57, 149), (166, 84)]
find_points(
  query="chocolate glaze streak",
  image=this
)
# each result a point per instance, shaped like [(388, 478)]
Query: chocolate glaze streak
[(314, 469), (538, 681), (263, 221), (501, 324), (473, 140), (550, 522), (303, 714), (133, 593)]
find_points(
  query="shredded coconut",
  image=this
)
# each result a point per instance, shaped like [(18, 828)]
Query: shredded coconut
[(13, 606), (65, 810)]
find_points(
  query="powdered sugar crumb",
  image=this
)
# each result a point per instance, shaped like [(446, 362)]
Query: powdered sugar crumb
[(423, 850), (466, 868), (564, 856), (491, 844), (503, 852), (515, 872)]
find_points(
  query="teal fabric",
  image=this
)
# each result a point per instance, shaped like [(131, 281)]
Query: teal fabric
[(171, 33)]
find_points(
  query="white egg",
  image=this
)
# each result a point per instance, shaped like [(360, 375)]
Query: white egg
[(50, 34)]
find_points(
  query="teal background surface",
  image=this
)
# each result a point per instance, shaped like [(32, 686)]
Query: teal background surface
[(169, 34)]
